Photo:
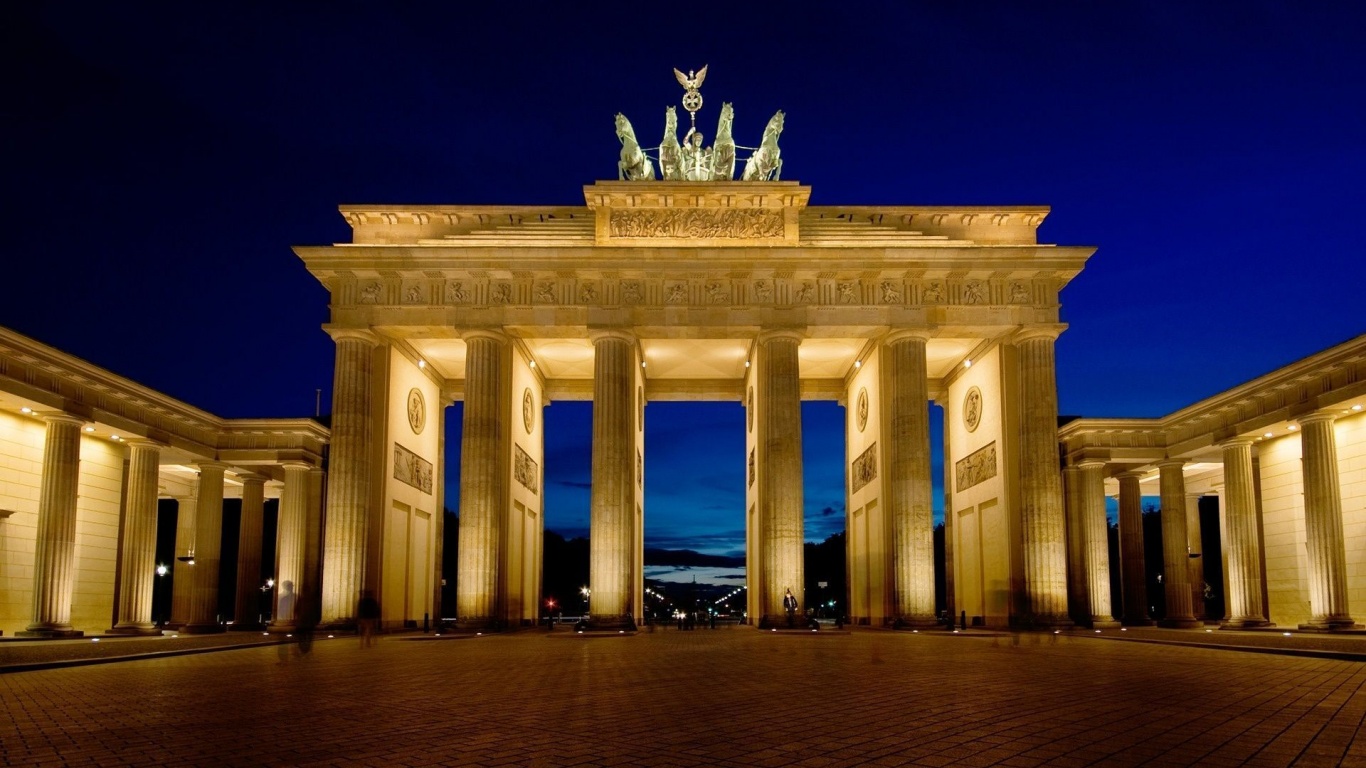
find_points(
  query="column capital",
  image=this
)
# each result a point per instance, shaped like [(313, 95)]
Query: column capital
[(907, 334), (495, 334), (251, 477), (1050, 331), (1130, 474), (211, 464), (1235, 442), (143, 442), (603, 334), (1091, 463), (295, 464), (773, 334), (1171, 463), (357, 334), (1317, 417), (62, 418)]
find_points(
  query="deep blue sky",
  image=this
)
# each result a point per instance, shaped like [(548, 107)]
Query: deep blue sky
[(159, 164)]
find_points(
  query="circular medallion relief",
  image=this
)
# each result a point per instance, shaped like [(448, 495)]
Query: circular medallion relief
[(749, 410), (417, 410), (972, 409), (862, 408), (528, 410)]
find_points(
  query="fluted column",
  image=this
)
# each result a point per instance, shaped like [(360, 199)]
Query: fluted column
[(483, 478), (348, 495), (1197, 556), (182, 570), (612, 513), (291, 530), (1045, 540), (780, 490), (1095, 544), (1242, 540), (54, 559), (1323, 525), (905, 393), (246, 609), (208, 547), (1175, 557), (137, 573), (1078, 588), (1133, 571)]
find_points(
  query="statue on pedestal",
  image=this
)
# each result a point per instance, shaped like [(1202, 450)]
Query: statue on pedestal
[(691, 160)]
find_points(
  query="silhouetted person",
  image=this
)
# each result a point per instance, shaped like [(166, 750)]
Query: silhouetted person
[(304, 622), (790, 605), (285, 606), (367, 618)]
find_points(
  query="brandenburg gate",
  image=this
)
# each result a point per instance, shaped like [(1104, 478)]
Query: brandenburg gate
[(695, 286)]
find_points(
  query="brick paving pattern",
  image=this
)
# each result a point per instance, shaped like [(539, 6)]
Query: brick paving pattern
[(725, 698)]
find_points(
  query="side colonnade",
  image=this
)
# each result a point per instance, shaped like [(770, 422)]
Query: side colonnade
[(1285, 457), (91, 454)]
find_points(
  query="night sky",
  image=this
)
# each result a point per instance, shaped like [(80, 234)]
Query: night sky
[(160, 163)]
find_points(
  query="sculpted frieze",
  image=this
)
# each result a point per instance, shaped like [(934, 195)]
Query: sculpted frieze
[(978, 467), (411, 469), (684, 290), (525, 470), (696, 223), (865, 469)]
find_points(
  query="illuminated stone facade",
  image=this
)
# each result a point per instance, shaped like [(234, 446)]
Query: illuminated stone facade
[(85, 455), (701, 291), (1285, 455)]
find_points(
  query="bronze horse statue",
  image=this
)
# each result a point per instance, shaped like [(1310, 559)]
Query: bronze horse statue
[(633, 165)]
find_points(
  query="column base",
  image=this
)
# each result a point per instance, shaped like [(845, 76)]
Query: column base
[(1191, 623), (1330, 625), (917, 622), (250, 626), (139, 630), (1105, 623), (50, 633), (1236, 624), (1044, 622), (203, 629), (607, 624), (784, 621), (1143, 622)]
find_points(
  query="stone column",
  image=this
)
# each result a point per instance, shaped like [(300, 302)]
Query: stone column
[(483, 479), (611, 544), (291, 530), (1133, 572), (1242, 540), (182, 570), (1078, 587), (1197, 556), (348, 495), (54, 559), (247, 607), (1095, 544), (137, 573), (1323, 525), (1045, 539), (208, 546), (905, 393), (311, 589), (1175, 557), (780, 490)]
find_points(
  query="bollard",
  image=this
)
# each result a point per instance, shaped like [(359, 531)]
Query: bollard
[(963, 620), (426, 617)]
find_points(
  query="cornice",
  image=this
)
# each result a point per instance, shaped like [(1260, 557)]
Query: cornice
[(64, 382)]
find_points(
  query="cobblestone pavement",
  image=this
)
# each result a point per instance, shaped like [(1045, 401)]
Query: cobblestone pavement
[(728, 698)]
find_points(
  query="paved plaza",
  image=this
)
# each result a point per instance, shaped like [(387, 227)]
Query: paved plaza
[(729, 697)]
